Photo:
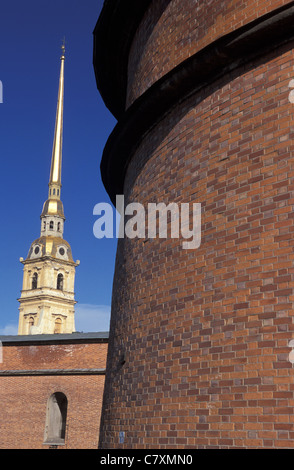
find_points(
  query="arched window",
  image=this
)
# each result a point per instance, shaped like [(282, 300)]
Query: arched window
[(57, 326), (44, 225), (35, 281), (54, 192), (31, 322), (56, 419), (58, 226), (60, 281), (51, 225)]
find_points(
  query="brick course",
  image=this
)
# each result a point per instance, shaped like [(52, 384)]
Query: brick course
[(172, 31)]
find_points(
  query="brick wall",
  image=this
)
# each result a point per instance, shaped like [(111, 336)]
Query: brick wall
[(24, 395), (172, 31), (204, 333), (55, 355)]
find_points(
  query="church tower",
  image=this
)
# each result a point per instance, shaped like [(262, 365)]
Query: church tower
[(47, 297)]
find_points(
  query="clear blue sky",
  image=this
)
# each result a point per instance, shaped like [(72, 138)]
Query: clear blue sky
[(31, 33)]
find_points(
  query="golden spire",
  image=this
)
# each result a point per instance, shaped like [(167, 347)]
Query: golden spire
[(55, 173)]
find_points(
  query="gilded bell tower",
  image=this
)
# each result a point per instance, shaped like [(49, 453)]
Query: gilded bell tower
[(47, 297)]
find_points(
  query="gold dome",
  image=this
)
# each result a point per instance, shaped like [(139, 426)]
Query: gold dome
[(53, 207), (54, 247)]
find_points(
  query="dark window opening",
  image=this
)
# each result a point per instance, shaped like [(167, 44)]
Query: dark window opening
[(35, 281), (51, 225), (60, 281)]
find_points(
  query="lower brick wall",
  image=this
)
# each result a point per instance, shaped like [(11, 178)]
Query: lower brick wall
[(33, 370), (24, 404)]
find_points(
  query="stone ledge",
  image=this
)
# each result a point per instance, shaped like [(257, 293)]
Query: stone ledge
[(223, 56), (9, 373)]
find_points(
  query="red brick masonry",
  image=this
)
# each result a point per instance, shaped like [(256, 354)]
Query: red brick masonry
[(198, 351), (35, 367)]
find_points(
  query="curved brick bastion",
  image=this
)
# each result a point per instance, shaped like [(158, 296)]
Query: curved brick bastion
[(199, 339)]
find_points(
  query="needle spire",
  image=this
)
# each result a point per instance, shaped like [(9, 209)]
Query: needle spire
[(56, 161)]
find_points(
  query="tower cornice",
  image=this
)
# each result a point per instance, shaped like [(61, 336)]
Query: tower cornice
[(113, 35), (47, 297), (49, 258)]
